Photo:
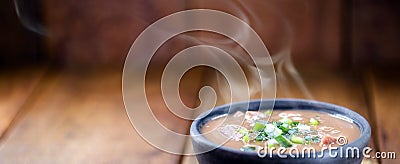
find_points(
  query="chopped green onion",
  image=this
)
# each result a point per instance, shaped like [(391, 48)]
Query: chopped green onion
[(242, 131), (271, 143), (293, 131), (307, 140), (283, 141), (269, 128), (316, 139), (276, 132), (314, 122), (245, 139), (261, 136), (297, 140), (286, 120), (259, 126), (295, 123), (277, 124), (268, 112), (284, 128)]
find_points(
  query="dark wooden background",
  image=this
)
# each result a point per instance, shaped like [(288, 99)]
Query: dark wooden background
[(60, 89), (336, 33)]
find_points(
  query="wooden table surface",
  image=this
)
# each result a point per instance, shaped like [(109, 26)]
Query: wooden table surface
[(66, 116)]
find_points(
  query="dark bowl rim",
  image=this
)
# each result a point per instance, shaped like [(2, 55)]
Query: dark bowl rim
[(365, 129)]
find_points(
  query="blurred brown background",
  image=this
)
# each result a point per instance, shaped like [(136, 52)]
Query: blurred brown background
[(335, 33), (61, 64)]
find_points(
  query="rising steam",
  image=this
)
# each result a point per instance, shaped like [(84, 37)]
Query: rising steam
[(29, 13), (288, 78), (234, 38)]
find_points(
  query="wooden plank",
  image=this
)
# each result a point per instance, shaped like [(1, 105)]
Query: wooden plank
[(15, 88), (341, 88), (386, 95), (324, 85), (80, 118), (102, 29)]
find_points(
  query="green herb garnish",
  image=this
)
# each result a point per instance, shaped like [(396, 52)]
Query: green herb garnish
[(294, 123), (284, 128), (307, 140), (271, 143), (297, 139), (286, 120), (314, 122), (259, 126), (293, 131), (242, 131), (245, 138), (268, 112), (316, 139), (283, 141), (261, 137)]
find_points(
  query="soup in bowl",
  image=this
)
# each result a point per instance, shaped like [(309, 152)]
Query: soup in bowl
[(295, 131)]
